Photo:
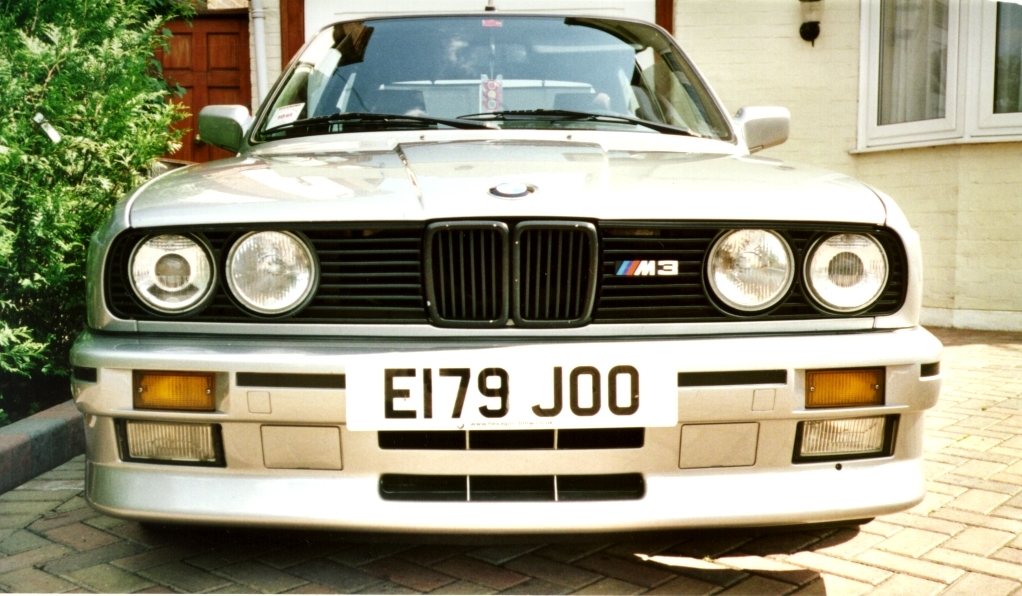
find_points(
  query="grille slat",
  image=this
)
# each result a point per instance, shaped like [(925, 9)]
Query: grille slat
[(493, 265), (560, 263), (472, 274), (443, 291), (582, 265), (549, 276), (571, 261), (461, 278)]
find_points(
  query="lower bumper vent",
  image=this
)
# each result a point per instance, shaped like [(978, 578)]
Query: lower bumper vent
[(513, 440), (597, 487)]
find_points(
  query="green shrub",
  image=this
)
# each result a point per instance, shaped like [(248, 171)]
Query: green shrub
[(87, 66)]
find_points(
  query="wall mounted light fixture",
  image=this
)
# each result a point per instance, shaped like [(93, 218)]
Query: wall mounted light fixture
[(810, 28)]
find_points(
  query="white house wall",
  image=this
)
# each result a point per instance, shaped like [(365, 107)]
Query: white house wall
[(964, 200), (320, 13), (271, 14)]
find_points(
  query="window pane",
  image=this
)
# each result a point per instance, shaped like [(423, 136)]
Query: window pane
[(913, 60), (1007, 70)]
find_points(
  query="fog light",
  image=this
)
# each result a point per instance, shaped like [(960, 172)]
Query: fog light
[(844, 388), (843, 437), (174, 390), (171, 441)]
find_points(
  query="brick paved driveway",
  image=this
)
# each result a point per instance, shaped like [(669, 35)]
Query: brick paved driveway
[(963, 539)]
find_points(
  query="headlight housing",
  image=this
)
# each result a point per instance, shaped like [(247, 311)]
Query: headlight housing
[(171, 273), (846, 272), (271, 273), (750, 270)]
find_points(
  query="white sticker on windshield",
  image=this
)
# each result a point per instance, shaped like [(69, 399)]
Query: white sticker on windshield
[(285, 115)]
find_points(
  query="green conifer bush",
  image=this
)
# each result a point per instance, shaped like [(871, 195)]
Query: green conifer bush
[(88, 67)]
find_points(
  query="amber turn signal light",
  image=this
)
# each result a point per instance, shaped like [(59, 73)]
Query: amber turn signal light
[(159, 390), (844, 388)]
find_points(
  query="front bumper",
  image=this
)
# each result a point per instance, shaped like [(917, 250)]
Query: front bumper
[(766, 490)]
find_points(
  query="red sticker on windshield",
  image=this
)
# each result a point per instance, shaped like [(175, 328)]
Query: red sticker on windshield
[(492, 23), (491, 95)]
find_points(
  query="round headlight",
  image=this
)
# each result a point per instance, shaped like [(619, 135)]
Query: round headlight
[(171, 273), (271, 272), (846, 272), (750, 270)]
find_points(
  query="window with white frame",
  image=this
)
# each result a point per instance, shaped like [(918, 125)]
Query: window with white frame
[(940, 71)]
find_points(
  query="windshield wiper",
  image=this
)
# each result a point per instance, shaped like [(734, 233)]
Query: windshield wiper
[(580, 116), (384, 119)]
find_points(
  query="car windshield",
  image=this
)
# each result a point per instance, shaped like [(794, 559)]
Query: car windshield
[(492, 71)]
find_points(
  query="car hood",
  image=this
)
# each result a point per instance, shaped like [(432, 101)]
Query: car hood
[(415, 181)]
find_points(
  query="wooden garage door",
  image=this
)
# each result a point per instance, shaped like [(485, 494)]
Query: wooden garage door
[(209, 58)]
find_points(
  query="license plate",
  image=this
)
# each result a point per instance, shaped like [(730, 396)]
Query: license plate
[(509, 388)]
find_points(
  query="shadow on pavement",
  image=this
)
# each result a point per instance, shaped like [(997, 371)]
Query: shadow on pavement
[(721, 557), (966, 337)]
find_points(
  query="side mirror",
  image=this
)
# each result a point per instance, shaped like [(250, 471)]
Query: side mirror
[(224, 126), (763, 126)]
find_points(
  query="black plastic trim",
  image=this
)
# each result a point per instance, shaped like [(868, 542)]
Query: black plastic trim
[(419, 487), (732, 377), (535, 488), (437, 440), (512, 440), (510, 488), (353, 287), (627, 299), (931, 369), (601, 487), (290, 380), (85, 373)]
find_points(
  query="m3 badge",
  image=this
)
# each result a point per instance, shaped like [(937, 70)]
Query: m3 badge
[(646, 268)]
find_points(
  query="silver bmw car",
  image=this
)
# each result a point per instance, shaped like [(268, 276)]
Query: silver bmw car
[(502, 273)]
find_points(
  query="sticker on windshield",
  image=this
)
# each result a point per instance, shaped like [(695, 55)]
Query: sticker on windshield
[(285, 115), (492, 23), (491, 94)]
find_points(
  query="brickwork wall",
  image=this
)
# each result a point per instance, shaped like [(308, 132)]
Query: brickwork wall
[(989, 231), (751, 53), (962, 199), (925, 183)]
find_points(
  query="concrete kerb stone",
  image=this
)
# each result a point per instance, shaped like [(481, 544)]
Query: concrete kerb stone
[(40, 443)]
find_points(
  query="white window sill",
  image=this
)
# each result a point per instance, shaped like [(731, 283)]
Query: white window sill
[(939, 143)]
